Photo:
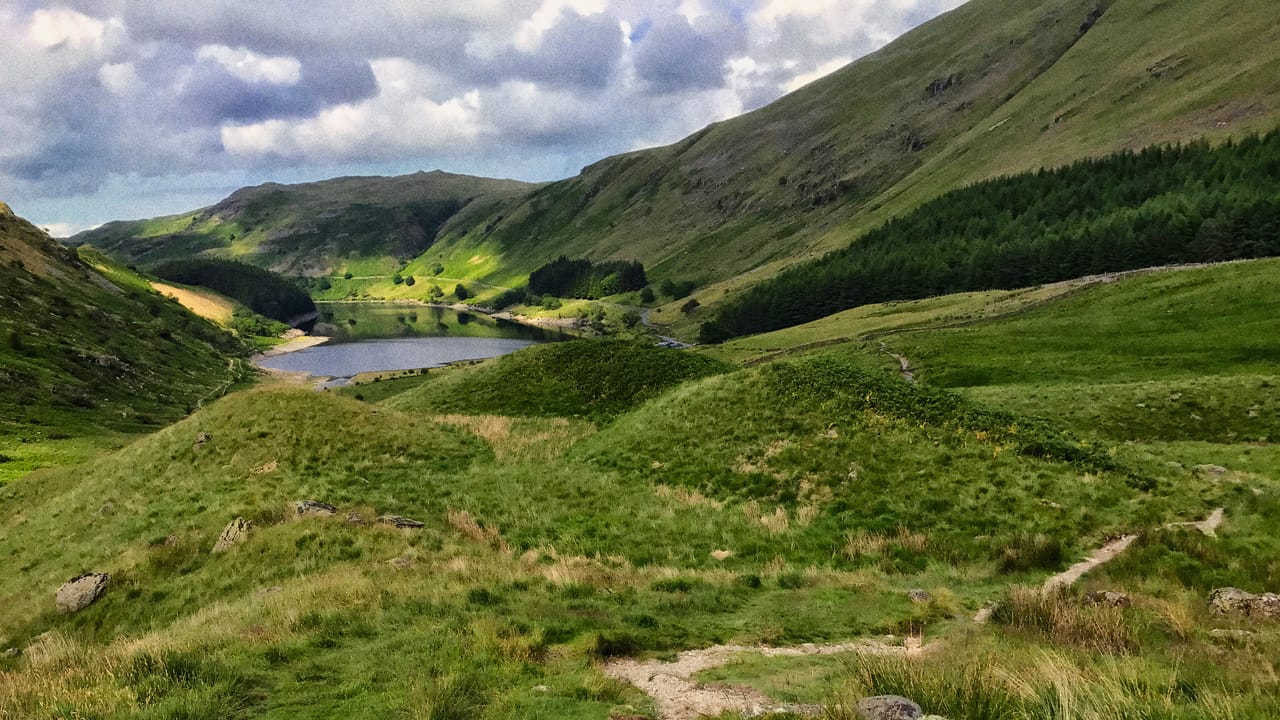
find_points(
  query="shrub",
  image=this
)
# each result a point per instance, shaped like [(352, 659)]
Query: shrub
[(460, 291)]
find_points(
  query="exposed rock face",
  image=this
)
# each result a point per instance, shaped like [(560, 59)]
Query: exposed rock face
[(887, 707), (82, 591), (400, 522), (1234, 601), (1108, 598), (235, 533), (310, 508)]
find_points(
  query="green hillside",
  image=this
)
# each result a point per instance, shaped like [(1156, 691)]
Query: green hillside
[(90, 351), (360, 224), (796, 501)]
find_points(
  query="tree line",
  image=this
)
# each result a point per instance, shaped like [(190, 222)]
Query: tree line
[(263, 291), (567, 278), (1163, 205)]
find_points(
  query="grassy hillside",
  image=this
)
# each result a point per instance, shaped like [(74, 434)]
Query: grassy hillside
[(360, 224), (795, 502), (89, 351)]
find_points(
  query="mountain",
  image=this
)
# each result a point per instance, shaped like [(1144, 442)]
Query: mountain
[(983, 91), (88, 350), (369, 224)]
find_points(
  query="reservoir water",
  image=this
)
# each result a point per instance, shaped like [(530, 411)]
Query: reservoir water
[(369, 337)]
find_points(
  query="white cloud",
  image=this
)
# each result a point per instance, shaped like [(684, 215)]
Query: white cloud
[(119, 78), (50, 28), (529, 35), (401, 119), (252, 67)]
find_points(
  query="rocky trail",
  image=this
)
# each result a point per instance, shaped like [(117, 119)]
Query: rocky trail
[(679, 696)]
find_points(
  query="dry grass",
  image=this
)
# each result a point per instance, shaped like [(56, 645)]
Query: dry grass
[(517, 440), (1061, 618), (205, 303), (468, 526), (691, 498), (867, 544)]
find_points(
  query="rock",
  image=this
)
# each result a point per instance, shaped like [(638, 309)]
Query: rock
[(171, 541), (1233, 634), (355, 518), (721, 554), (541, 688), (400, 522), (82, 591), (1215, 470), (11, 653), (887, 707), (269, 590), (202, 438), (403, 563), (236, 532), (1234, 601), (919, 596), (1108, 598), (309, 508)]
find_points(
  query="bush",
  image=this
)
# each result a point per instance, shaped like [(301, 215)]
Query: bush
[(347, 275), (437, 269), (409, 281), (690, 306), (646, 295), (460, 291)]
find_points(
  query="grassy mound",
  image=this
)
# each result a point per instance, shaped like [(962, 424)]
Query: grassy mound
[(596, 379)]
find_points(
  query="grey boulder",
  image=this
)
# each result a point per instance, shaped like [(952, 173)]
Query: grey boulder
[(887, 707), (82, 591), (234, 533), (313, 508), (400, 522)]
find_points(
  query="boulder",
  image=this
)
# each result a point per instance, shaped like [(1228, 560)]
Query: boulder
[(1108, 598), (1234, 601), (202, 438), (355, 518), (235, 533), (311, 508), (919, 596), (887, 707), (82, 591), (400, 522), (1214, 470)]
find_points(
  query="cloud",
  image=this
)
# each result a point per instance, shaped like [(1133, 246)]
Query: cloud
[(108, 97), (251, 67)]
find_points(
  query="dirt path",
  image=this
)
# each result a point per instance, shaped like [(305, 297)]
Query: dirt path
[(905, 364), (680, 697)]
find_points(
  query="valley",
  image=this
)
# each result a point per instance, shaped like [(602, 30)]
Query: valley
[(945, 386)]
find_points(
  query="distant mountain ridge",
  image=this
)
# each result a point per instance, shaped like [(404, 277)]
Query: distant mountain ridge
[(313, 228), (985, 90)]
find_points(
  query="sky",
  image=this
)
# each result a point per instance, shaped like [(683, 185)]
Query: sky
[(123, 109)]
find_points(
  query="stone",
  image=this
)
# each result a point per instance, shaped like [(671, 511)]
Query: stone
[(1108, 598), (171, 541), (11, 653), (919, 596), (1215, 470), (269, 590), (82, 591), (1234, 601), (235, 533), (311, 508), (404, 563), (202, 438), (400, 522), (887, 707), (355, 518), (1233, 634)]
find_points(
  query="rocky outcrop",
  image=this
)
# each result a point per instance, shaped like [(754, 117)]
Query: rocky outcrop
[(313, 508), (887, 707), (403, 523), (82, 591), (919, 596), (1234, 601), (234, 534)]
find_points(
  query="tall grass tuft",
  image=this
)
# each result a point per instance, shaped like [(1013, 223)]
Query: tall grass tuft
[(1062, 619)]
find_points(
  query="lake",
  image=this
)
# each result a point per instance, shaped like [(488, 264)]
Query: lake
[(378, 337)]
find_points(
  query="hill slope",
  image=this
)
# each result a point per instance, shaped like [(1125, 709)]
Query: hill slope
[(89, 350), (369, 224)]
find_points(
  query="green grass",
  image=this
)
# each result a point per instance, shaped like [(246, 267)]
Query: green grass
[(583, 378)]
